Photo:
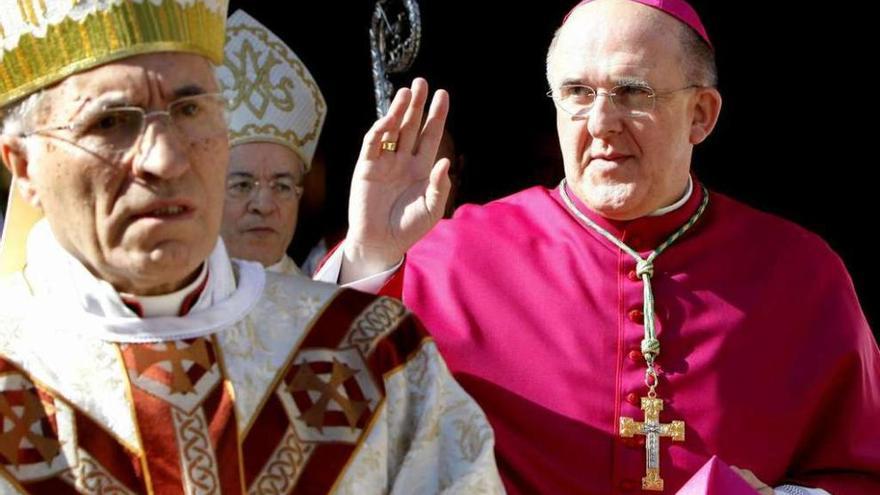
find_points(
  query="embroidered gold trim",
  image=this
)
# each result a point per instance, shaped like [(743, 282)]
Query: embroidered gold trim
[(123, 30)]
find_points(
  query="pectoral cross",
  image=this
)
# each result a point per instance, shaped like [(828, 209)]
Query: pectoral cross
[(653, 430)]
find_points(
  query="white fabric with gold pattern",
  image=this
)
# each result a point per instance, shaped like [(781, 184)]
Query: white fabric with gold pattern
[(272, 95)]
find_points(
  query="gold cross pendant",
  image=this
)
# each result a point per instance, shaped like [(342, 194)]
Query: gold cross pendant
[(653, 430)]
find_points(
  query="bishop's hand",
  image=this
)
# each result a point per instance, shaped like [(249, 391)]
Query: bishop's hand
[(753, 481), (398, 192)]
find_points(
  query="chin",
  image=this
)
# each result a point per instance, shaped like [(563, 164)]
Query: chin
[(266, 258), (174, 259), (609, 200)]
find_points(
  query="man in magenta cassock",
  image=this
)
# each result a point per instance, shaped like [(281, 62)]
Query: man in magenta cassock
[(630, 305)]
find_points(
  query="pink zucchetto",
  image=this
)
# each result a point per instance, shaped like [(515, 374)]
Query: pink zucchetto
[(679, 9)]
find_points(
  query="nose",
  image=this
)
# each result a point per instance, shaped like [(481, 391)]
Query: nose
[(160, 152), (261, 201), (603, 118)]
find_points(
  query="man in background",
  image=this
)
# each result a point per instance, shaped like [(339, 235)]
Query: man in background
[(276, 115)]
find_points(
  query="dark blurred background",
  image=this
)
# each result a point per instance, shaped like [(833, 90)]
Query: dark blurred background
[(793, 137)]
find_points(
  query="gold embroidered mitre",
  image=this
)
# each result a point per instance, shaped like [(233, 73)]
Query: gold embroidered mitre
[(272, 95), (44, 41)]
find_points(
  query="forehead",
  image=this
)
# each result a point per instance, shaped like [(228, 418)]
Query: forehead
[(150, 79), (265, 159), (605, 40)]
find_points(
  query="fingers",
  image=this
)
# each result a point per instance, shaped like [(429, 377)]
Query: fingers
[(402, 125), (439, 186), (432, 133), (412, 121), (387, 128), (745, 474), (753, 480)]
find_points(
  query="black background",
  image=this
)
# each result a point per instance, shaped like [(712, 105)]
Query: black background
[(795, 136)]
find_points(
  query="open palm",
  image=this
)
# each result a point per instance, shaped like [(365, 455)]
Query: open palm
[(398, 196)]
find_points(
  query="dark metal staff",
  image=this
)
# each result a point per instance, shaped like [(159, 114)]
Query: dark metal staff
[(395, 34)]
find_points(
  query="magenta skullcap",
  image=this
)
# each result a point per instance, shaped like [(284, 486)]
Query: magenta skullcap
[(679, 9)]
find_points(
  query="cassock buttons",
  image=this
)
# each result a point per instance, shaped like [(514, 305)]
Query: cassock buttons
[(636, 316), (632, 275), (634, 399), (635, 356)]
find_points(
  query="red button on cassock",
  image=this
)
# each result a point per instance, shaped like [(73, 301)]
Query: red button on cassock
[(635, 356), (636, 316), (634, 399)]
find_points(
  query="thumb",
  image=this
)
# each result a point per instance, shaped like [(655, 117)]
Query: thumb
[(439, 185)]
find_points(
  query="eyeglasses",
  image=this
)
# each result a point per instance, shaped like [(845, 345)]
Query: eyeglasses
[(631, 99), (244, 187), (111, 132)]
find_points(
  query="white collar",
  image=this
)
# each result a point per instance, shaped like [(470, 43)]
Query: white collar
[(166, 304), (285, 265), (678, 204), (80, 300)]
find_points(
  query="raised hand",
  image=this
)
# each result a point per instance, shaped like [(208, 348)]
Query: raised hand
[(398, 192)]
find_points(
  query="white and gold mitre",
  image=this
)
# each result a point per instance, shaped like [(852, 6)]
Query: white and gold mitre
[(44, 41), (272, 95)]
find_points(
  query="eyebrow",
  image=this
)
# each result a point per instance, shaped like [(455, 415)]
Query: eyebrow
[(189, 90), (620, 81), (279, 175), (631, 81), (101, 102), (572, 82), (117, 99)]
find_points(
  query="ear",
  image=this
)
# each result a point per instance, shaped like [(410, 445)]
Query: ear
[(13, 152), (706, 109)]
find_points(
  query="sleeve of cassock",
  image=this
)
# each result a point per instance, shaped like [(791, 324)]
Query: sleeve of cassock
[(388, 283), (840, 451)]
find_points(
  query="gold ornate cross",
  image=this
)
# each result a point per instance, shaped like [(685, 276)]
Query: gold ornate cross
[(653, 430)]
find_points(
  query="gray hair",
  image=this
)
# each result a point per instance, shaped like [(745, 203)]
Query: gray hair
[(698, 57), (18, 117)]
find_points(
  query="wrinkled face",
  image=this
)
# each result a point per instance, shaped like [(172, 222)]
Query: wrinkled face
[(620, 165), (262, 201), (145, 220)]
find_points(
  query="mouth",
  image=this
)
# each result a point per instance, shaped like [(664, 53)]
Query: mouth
[(614, 157), (608, 163), (260, 230), (166, 211)]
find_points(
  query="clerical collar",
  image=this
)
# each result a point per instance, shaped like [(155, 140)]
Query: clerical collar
[(285, 265), (278, 265), (177, 303), (647, 232), (231, 289), (678, 204)]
